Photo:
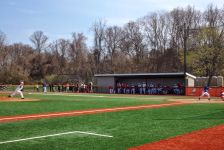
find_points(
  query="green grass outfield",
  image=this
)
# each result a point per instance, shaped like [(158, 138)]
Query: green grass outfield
[(67, 102), (128, 128)]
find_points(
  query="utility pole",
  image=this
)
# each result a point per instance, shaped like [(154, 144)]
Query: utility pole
[(185, 48), (186, 30)]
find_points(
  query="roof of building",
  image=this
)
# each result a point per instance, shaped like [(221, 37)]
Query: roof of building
[(146, 74)]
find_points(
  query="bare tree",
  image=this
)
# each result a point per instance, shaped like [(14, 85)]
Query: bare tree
[(3, 52), (17, 65), (137, 47), (78, 56), (113, 37), (212, 16), (99, 30), (156, 34), (62, 53), (39, 40), (2, 39)]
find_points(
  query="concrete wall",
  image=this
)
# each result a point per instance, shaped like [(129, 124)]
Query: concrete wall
[(197, 91), (190, 82), (103, 84)]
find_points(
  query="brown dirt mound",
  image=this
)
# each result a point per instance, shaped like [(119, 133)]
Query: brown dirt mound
[(205, 139), (14, 99)]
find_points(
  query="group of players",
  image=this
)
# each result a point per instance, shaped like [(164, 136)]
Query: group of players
[(74, 87), (78, 87), (81, 88), (142, 90)]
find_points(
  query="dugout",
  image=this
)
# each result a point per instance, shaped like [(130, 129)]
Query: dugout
[(106, 81)]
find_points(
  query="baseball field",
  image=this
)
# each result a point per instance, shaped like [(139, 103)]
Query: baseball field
[(56, 121)]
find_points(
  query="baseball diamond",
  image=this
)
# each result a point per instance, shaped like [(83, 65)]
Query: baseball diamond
[(132, 120), (111, 75)]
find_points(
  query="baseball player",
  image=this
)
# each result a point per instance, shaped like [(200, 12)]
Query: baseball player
[(139, 88), (111, 90), (222, 95), (205, 93), (18, 90), (144, 88), (91, 87), (44, 86), (132, 89)]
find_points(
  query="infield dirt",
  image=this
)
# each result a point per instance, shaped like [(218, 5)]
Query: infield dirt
[(205, 139), (15, 99)]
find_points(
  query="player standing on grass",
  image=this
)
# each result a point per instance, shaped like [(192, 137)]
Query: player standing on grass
[(44, 85), (91, 87), (205, 93), (18, 90)]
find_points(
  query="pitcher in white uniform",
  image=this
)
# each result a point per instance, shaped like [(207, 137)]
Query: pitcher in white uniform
[(18, 90)]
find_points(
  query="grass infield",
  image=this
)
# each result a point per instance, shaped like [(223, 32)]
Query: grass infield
[(128, 128)]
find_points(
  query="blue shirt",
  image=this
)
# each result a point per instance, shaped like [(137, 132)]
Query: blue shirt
[(206, 89), (44, 84)]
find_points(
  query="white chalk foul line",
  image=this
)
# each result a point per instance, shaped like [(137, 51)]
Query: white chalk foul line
[(87, 111), (52, 135)]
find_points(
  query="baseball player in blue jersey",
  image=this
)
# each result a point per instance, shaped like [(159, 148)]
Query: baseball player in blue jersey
[(205, 93)]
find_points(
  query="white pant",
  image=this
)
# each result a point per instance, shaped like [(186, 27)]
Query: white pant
[(17, 92), (111, 91), (205, 94), (133, 91), (143, 90), (44, 89)]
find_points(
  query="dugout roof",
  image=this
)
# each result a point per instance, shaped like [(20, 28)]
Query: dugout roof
[(134, 75)]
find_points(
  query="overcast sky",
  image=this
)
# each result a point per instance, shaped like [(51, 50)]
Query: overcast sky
[(60, 18)]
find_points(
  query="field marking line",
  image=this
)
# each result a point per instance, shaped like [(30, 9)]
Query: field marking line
[(52, 135), (88, 111)]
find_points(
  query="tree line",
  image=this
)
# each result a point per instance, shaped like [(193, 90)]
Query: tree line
[(153, 43)]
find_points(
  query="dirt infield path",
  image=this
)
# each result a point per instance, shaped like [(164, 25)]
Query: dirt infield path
[(205, 139), (77, 113)]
